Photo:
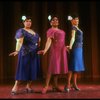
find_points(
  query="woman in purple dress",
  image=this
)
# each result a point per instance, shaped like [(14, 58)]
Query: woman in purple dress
[(27, 45), (57, 57)]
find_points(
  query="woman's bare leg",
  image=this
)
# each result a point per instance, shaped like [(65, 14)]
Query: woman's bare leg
[(28, 86), (55, 81), (15, 87), (55, 85), (47, 83), (68, 85), (75, 81), (69, 79)]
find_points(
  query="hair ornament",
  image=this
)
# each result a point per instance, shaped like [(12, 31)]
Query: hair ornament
[(23, 18), (70, 18), (49, 17)]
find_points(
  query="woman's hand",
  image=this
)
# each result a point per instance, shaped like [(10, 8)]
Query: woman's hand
[(68, 48), (40, 52), (13, 53)]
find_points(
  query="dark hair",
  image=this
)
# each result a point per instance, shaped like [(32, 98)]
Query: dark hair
[(28, 17), (52, 16), (74, 15)]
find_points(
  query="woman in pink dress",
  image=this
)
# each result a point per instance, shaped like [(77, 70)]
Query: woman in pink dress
[(58, 54)]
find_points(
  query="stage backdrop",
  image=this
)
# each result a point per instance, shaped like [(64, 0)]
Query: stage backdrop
[(10, 21)]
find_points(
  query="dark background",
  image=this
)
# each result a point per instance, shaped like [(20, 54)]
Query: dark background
[(10, 21)]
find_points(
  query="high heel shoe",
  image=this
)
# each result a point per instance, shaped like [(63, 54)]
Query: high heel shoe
[(44, 90), (14, 92), (29, 90), (75, 87), (56, 89), (66, 89)]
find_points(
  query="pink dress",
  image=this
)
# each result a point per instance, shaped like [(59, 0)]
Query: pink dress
[(58, 55)]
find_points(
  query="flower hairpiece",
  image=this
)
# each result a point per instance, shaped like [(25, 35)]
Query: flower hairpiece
[(70, 18), (23, 18), (49, 17)]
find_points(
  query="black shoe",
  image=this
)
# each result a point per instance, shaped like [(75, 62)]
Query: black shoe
[(14, 93), (56, 89), (29, 90), (76, 88), (66, 89)]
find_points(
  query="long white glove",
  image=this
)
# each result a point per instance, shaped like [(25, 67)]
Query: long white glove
[(72, 39), (18, 46), (19, 43)]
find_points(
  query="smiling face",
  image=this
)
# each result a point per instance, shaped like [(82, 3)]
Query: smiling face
[(27, 23), (54, 22)]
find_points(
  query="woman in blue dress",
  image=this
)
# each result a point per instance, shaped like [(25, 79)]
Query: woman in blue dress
[(76, 63), (27, 45)]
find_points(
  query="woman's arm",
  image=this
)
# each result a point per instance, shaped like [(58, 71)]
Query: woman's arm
[(72, 39), (19, 43), (39, 42), (48, 44)]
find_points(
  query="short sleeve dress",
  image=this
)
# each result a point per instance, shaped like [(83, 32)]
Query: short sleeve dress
[(28, 67), (76, 62), (57, 56)]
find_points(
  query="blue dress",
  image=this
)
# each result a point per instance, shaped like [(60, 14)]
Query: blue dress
[(76, 62), (28, 67)]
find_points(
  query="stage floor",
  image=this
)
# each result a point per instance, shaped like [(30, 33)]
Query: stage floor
[(87, 91)]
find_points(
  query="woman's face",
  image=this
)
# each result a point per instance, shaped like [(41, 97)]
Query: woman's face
[(75, 21), (27, 23), (54, 22)]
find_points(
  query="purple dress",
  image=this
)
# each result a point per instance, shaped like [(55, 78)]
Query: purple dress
[(28, 67), (58, 54)]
